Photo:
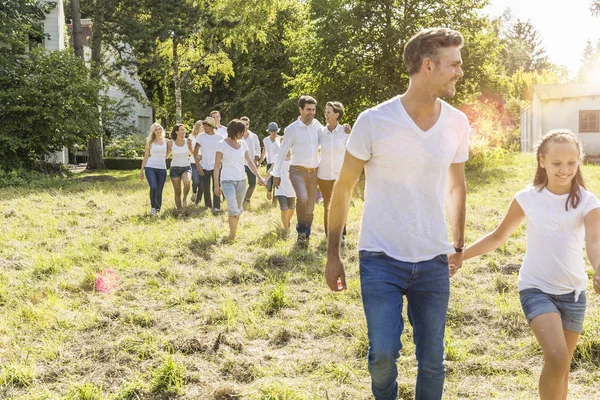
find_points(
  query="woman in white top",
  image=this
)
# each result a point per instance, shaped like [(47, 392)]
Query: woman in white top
[(333, 138), (181, 149), (231, 156), (552, 279), (154, 165), (196, 182)]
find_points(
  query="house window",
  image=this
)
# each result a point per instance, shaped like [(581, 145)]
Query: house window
[(143, 124), (589, 121)]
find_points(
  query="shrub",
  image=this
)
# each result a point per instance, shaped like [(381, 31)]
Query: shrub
[(493, 133), (123, 163), (126, 147)]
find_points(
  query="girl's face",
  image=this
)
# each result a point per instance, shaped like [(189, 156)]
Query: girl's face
[(561, 162), (181, 132), (330, 116), (159, 133)]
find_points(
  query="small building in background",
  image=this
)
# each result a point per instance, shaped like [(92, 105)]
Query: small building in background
[(57, 34), (572, 106)]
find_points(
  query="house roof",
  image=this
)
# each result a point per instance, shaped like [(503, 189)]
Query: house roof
[(566, 91)]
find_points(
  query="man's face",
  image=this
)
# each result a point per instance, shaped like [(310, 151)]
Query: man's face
[(308, 112), (217, 117), (446, 71), (208, 129)]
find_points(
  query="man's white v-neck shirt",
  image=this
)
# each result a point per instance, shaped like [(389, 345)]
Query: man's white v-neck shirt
[(406, 174)]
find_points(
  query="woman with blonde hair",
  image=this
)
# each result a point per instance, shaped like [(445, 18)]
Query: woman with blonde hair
[(154, 165), (196, 182)]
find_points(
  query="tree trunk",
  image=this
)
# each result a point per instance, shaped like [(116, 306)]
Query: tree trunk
[(76, 18), (95, 156), (177, 83)]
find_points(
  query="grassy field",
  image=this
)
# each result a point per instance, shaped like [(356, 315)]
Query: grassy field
[(196, 318)]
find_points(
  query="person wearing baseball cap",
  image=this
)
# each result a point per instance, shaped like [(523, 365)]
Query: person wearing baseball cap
[(271, 145)]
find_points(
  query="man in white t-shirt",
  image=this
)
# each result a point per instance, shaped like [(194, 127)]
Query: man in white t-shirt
[(412, 148), (207, 143), (253, 143), (220, 129)]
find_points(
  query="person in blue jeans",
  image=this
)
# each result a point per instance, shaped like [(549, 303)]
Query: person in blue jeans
[(413, 148), (154, 165), (560, 214)]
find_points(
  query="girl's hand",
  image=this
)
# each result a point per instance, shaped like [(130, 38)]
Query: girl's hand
[(261, 181), (217, 191), (141, 175), (596, 280)]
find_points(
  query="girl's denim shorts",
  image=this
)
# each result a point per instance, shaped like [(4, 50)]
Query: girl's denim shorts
[(535, 303)]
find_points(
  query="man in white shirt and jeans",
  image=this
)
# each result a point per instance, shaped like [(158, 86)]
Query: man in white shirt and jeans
[(412, 147), (302, 136)]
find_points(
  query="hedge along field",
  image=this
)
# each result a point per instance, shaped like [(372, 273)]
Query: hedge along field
[(196, 318)]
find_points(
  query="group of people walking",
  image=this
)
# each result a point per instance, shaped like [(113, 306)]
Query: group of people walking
[(216, 160), (413, 149)]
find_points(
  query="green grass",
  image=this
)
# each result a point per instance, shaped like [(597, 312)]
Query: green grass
[(196, 318)]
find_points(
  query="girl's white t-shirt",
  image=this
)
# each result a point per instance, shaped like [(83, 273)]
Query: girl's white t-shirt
[(553, 261), (232, 161), (180, 154), (285, 187), (208, 146)]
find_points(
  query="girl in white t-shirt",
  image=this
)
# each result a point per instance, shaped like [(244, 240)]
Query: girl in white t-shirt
[(552, 279), (231, 155)]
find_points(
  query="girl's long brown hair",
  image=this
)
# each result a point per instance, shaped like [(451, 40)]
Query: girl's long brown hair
[(541, 177)]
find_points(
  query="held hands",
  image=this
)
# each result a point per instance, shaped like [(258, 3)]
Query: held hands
[(335, 275), (276, 182), (596, 279), (261, 181), (455, 262), (217, 190)]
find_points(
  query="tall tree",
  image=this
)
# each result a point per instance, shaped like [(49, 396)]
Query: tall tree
[(99, 9), (351, 50), (76, 18), (523, 48)]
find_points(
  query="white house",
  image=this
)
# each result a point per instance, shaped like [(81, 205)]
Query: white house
[(56, 30), (572, 106)]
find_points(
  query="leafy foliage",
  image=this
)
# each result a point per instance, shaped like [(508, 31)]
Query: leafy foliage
[(49, 102)]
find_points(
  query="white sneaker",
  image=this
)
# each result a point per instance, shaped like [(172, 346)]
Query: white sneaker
[(152, 211)]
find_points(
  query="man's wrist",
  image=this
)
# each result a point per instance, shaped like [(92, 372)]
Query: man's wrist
[(459, 248)]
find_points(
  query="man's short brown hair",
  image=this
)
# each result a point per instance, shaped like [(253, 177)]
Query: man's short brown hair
[(426, 44), (304, 100)]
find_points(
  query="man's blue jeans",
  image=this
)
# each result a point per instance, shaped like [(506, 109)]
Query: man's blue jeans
[(426, 285), (305, 186), (156, 179)]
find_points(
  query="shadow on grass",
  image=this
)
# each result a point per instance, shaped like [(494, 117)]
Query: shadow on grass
[(203, 246)]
